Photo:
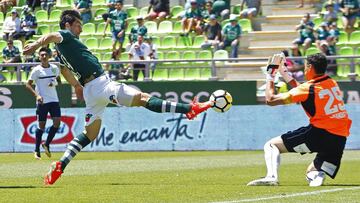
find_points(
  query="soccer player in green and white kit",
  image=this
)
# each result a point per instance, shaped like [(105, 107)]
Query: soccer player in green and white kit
[(96, 88)]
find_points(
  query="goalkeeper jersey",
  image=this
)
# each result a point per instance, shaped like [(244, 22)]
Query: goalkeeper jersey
[(322, 101)]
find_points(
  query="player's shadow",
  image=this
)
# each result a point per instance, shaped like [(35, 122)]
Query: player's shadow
[(330, 185), (17, 187), (128, 184)]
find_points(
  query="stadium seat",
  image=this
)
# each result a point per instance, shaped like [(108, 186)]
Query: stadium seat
[(183, 43), (312, 50), (204, 54), (188, 55), (236, 9), (221, 54), (171, 55), (357, 67), (130, 25), (176, 74), (192, 73), (43, 29), (198, 40), (124, 56), (132, 12), (317, 21), (156, 40), (64, 4), (354, 38), (245, 25), (88, 29), (98, 14), (55, 28), (100, 29), (106, 56), (105, 44), (168, 42), (1, 17), (98, 3), (224, 22), (160, 73), (97, 55), (165, 27), (343, 38), (175, 11), (55, 15), (3, 44), (91, 43), (143, 11), (205, 73), (177, 28), (41, 16), (151, 26), (343, 68)]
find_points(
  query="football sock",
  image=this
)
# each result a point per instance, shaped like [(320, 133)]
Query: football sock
[(272, 159), (38, 136), (160, 106), (51, 135), (73, 148)]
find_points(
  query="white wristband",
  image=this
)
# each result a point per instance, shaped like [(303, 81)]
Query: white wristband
[(269, 77)]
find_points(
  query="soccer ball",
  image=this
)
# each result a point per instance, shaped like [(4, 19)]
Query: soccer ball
[(222, 101)]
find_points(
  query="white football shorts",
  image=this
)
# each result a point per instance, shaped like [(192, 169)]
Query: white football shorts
[(101, 91)]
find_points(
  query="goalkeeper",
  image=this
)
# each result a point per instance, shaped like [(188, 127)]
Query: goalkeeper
[(329, 124)]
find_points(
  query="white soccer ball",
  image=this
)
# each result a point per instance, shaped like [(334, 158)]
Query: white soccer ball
[(222, 101)]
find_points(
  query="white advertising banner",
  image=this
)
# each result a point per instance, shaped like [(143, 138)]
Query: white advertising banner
[(137, 129)]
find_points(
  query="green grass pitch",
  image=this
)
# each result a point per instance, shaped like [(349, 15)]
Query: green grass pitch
[(199, 176)]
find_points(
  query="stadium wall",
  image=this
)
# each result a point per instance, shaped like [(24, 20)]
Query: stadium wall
[(137, 129)]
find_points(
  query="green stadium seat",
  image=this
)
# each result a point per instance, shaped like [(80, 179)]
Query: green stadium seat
[(343, 68), (98, 3), (1, 17), (10, 76), (354, 38), (168, 42), (177, 27), (221, 54), (151, 26), (97, 55), (55, 15), (43, 29), (188, 55), (339, 23), (171, 55), (101, 27), (312, 50), (204, 54), (124, 56), (236, 9), (64, 4), (343, 38), (105, 44), (18, 44), (41, 16), (165, 27), (98, 14), (317, 21), (245, 25), (130, 25), (183, 43), (205, 73), (192, 73), (156, 40), (176, 74), (55, 28), (198, 40), (175, 10), (224, 22), (92, 43), (3, 44), (357, 67), (143, 11), (88, 29), (132, 12), (107, 56), (160, 73)]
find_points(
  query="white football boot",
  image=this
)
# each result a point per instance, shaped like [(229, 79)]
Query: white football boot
[(315, 178), (267, 181)]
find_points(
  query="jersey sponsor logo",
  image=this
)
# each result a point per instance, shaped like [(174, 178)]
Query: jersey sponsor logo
[(63, 136), (87, 117)]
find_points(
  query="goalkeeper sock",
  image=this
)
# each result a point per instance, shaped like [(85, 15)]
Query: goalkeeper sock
[(272, 159), (161, 106), (74, 148), (51, 135), (38, 136)]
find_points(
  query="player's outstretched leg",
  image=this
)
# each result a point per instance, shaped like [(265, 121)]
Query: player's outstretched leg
[(190, 110), (73, 148), (38, 137), (49, 138)]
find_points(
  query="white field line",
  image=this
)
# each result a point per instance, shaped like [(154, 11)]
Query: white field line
[(290, 195)]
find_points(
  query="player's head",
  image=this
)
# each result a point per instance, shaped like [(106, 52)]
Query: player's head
[(71, 20), (315, 65), (140, 39), (118, 5), (44, 54)]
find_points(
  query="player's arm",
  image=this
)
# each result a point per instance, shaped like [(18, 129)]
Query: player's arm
[(29, 87), (70, 78), (42, 41), (288, 78), (273, 99)]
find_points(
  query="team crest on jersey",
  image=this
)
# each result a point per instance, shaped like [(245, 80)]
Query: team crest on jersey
[(87, 117), (53, 70), (112, 99)]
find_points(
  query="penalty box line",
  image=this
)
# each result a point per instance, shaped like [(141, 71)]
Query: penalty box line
[(290, 195)]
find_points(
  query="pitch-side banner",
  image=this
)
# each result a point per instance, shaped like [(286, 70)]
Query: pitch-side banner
[(137, 129)]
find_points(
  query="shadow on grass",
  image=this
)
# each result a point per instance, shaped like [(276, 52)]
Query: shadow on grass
[(17, 187), (344, 185), (128, 184)]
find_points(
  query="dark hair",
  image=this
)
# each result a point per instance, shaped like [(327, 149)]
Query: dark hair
[(285, 52), (318, 61), (68, 16), (44, 49)]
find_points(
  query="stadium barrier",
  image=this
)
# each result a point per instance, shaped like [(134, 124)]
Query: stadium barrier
[(351, 61), (137, 129)]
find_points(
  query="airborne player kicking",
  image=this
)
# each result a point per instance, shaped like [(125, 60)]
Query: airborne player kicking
[(98, 90), (329, 124)]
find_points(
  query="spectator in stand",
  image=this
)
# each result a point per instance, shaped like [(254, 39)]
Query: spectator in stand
[(118, 24), (199, 3), (47, 5), (302, 3), (137, 30), (212, 32), (296, 66), (322, 33), (192, 19), (117, 71), (160, 9), (221, 8), (330, 15), (231, 35), (334, 31), (28, 23), (332, 66), (84, 8), (111, 4), (253, 8), (33, 4), (306, 31), (11, 26), (139, 51), (350, 10), (11, 54), (207, 12), (6, 4), (153, 55)]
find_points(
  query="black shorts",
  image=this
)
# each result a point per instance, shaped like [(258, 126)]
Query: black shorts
[(329, 147), (53, 108)]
